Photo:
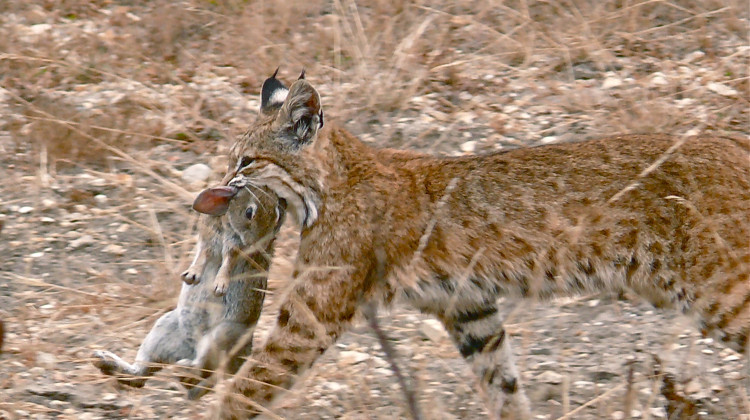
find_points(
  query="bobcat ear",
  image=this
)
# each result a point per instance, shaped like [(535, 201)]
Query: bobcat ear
[(301, 114), (272, 94), (214, 201)]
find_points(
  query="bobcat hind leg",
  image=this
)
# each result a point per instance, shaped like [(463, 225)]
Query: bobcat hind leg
[(479, 334)]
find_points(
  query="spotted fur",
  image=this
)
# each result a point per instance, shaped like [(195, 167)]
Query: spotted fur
[(666, 217)]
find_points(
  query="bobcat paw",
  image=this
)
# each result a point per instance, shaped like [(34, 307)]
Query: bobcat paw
[(190, 277)]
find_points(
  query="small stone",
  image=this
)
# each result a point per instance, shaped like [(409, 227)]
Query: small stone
[(37, 255), (732, 376), (25, 209), (550, 377), (353, 357), (131, 271), (692, 387), (618, 415), (469, 146), (583, 384), (549, 139), (47, 360), (81, 242), (114, 249), (692, 132), (611, 82), (731, 358), (40, 28), (196, 174), (658, 79), (721, 89), (47, 220), (695, 55), (101, 198), (433, 330), (658, 412), (333, 386)]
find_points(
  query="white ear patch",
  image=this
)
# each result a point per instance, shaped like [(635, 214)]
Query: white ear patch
[(278, 97)]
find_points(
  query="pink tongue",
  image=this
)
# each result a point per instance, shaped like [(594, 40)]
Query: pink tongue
[(214, 201)]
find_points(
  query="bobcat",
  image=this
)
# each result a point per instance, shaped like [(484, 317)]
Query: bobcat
[(203, 328), (666, 217)]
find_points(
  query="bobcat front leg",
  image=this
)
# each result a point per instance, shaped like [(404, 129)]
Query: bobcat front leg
[(317, 310)]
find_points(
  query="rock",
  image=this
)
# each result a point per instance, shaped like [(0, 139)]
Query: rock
[(101, 198), (433, 330), (549, 139), (721, 89), (695, 55), (25, 209), (196, 174), (658, 412), (353, 357), (40, 28), (550, 377), (47, 360), (732, 376), (611, 82), (658, 79), (469, 146), (692, 387), (333, 386), (114, 249), (81, 242), (732, 358)]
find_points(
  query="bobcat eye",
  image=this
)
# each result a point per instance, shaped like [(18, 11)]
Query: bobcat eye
[(250, 212), (245, 161)]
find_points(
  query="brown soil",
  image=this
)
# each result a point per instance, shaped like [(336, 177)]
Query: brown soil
[(104, 105)]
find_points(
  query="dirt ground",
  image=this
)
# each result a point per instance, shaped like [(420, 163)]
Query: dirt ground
[(106, 108)]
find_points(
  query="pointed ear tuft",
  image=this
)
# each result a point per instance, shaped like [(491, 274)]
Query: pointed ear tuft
[(272, 94), (302, 114), (214, 201), (302, 75)]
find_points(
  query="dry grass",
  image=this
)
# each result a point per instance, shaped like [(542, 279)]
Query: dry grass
[(103, 105)]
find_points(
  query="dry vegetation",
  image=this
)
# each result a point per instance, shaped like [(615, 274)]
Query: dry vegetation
[(104, 104)]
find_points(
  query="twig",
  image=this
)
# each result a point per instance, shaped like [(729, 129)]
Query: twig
[(370, 314)]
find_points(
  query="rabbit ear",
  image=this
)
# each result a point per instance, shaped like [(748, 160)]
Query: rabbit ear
[(214, 201)]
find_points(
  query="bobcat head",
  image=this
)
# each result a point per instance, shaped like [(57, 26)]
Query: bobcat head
[(282, 150)]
